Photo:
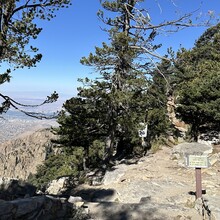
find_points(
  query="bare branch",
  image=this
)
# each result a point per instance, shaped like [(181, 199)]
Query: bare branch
[(9, 102), (149, 52), (30, 6), (159, 6), (178, 22)]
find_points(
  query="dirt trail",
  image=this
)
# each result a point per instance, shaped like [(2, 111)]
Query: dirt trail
[(156, 182), (164, 177)]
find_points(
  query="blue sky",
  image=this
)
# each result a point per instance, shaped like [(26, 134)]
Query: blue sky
[(76, 31)]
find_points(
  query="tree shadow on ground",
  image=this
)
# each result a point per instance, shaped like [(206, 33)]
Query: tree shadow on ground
[(95, 195), (103, 204), (13, 189), (127, 211)]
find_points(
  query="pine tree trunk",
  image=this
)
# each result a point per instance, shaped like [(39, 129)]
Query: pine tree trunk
[(195, 132), (110, 145)]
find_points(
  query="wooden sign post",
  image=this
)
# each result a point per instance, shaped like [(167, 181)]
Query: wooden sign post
[(198, 162), (198, 183)]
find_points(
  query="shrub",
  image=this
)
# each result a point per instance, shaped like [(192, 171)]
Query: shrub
[(57, 166)]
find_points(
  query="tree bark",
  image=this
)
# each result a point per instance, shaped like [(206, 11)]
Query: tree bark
[(195, 132)]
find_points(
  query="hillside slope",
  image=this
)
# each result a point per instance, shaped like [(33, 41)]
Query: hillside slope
[(20, 157)]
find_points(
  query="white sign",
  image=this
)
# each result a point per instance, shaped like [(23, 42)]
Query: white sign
[(143, 133), (197, 161)]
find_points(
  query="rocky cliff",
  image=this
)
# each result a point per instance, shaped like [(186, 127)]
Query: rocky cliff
[(21, 156)]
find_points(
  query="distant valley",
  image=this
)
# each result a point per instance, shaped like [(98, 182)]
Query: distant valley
[(14, 123)]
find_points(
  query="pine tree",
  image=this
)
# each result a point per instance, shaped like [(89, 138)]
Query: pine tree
[(198, 81), (160, 86), (113, 107)]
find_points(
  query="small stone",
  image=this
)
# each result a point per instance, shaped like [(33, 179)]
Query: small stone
[(74, 199), (145, 199), (79, 204)]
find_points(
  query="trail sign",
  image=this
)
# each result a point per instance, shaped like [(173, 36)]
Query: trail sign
[(197, 161), (143, 133)]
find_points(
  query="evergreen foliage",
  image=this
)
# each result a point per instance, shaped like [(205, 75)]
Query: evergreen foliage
[(158, 122), (57, 166), (17, 30), (129, 92), (198, 83), (112, 107)]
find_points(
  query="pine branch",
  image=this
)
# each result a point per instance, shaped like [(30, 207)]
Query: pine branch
[(9, 102)]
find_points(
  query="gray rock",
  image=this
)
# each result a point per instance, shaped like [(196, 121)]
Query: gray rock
[(114, 175), (74, 199), (40, 207), (139, 211), (56, 187), (145, 199), (181, 151), (193, 148)]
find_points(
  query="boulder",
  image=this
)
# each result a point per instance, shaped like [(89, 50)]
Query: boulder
[(57, 187), (113, 176), (181, 151)]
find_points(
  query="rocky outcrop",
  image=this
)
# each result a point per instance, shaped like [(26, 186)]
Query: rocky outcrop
[(11, 189), (19, 200), (58, 186), (181, 126), (20, 157), (39, 207)]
